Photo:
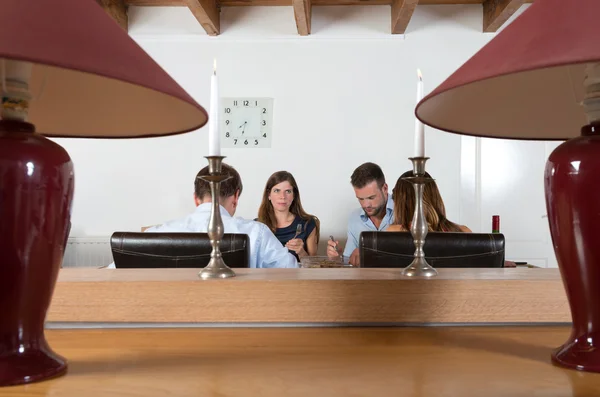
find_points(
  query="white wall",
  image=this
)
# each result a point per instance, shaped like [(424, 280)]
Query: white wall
[(343, 96)]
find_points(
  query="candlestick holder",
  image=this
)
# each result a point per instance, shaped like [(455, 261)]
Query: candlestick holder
[(216, 268), (419, 228)]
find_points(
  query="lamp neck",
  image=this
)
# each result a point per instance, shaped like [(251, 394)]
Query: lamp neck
[(16, 126), (591, 129), (14, 94)]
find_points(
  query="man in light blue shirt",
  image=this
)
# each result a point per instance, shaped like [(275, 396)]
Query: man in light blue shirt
[(376, 212), (265, 249)]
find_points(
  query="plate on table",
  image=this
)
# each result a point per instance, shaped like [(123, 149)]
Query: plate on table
[(322, 262)]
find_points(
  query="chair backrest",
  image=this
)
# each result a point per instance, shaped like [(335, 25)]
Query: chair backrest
[(182, 250), (396, 249)]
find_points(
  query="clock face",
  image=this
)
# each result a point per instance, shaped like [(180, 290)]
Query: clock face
[(246, 122)]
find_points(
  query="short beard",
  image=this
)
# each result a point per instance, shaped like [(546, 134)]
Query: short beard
[(381, 209), (378, 211)]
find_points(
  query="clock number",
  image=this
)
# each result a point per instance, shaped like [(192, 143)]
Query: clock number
[(264, 110), (246, 142), (226, 122), (255, 103), (227, 135), (256, 141), (265, 135), (234, 103), (235, 141), (264, 122), (227, 110), (246, 103)]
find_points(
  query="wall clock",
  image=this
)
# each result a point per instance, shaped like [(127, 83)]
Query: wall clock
[(246, 122)]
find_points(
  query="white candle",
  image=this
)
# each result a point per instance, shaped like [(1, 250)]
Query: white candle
[(214, 144), (419, 149)]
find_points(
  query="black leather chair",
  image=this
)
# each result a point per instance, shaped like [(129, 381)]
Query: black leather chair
[(396, 249), (171, 250)]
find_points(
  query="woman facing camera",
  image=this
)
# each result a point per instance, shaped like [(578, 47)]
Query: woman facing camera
[(281, 210), (433, 207)]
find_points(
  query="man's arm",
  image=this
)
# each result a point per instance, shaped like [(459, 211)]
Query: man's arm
[(270, 251), (352, 242)]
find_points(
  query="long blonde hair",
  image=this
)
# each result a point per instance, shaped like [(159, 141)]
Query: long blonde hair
[(266, 212), (433, 206)]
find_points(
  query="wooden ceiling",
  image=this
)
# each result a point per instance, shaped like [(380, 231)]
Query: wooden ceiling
[(495, 12)]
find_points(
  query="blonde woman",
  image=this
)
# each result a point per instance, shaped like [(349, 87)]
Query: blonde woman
[(433, 207)]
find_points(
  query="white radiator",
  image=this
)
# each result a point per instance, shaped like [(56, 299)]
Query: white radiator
[(87, 252)]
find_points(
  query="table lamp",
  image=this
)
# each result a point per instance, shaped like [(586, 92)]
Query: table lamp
[(539, 79), (66, 70)]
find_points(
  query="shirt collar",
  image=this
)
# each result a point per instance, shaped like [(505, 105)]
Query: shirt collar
[(206, 208), (389, 208)]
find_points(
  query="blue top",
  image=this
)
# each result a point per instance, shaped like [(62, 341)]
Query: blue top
[(287, 233), (360, 222)]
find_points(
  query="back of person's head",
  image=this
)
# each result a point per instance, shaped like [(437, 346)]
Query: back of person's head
[(229, 187), (367, 173), (433, 205), (266, 212)]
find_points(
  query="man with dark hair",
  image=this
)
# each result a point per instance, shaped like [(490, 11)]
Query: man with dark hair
[(230, 192), (376, 213), (265, 249)]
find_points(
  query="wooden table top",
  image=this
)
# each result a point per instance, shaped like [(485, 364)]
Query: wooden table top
[(161, 275), (316, 296), (289, 362)]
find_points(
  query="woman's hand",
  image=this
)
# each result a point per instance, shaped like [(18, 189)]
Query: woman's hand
[(296, 245)]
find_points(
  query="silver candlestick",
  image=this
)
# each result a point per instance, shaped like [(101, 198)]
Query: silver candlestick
[(216, 268), (419, 228)]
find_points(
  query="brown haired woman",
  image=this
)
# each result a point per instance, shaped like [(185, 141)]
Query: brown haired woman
[(433, 207), (281, 210)]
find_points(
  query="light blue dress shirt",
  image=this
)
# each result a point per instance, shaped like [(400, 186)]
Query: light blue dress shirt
[(265, 249), (360, 222)]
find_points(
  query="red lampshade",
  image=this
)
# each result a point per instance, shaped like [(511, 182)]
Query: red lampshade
[(90, 79), (85, 78), (530, 82), (527, 83)]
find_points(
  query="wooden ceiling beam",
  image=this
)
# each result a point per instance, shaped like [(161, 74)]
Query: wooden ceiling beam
[(402, 11), (208, 14), (303, 14), (497, 12), (157, 3), (287, 3), (117, 9)]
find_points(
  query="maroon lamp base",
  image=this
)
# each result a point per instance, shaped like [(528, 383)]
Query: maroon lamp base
[(573, 201), (34, 365), (36, 191), (579, 353)]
